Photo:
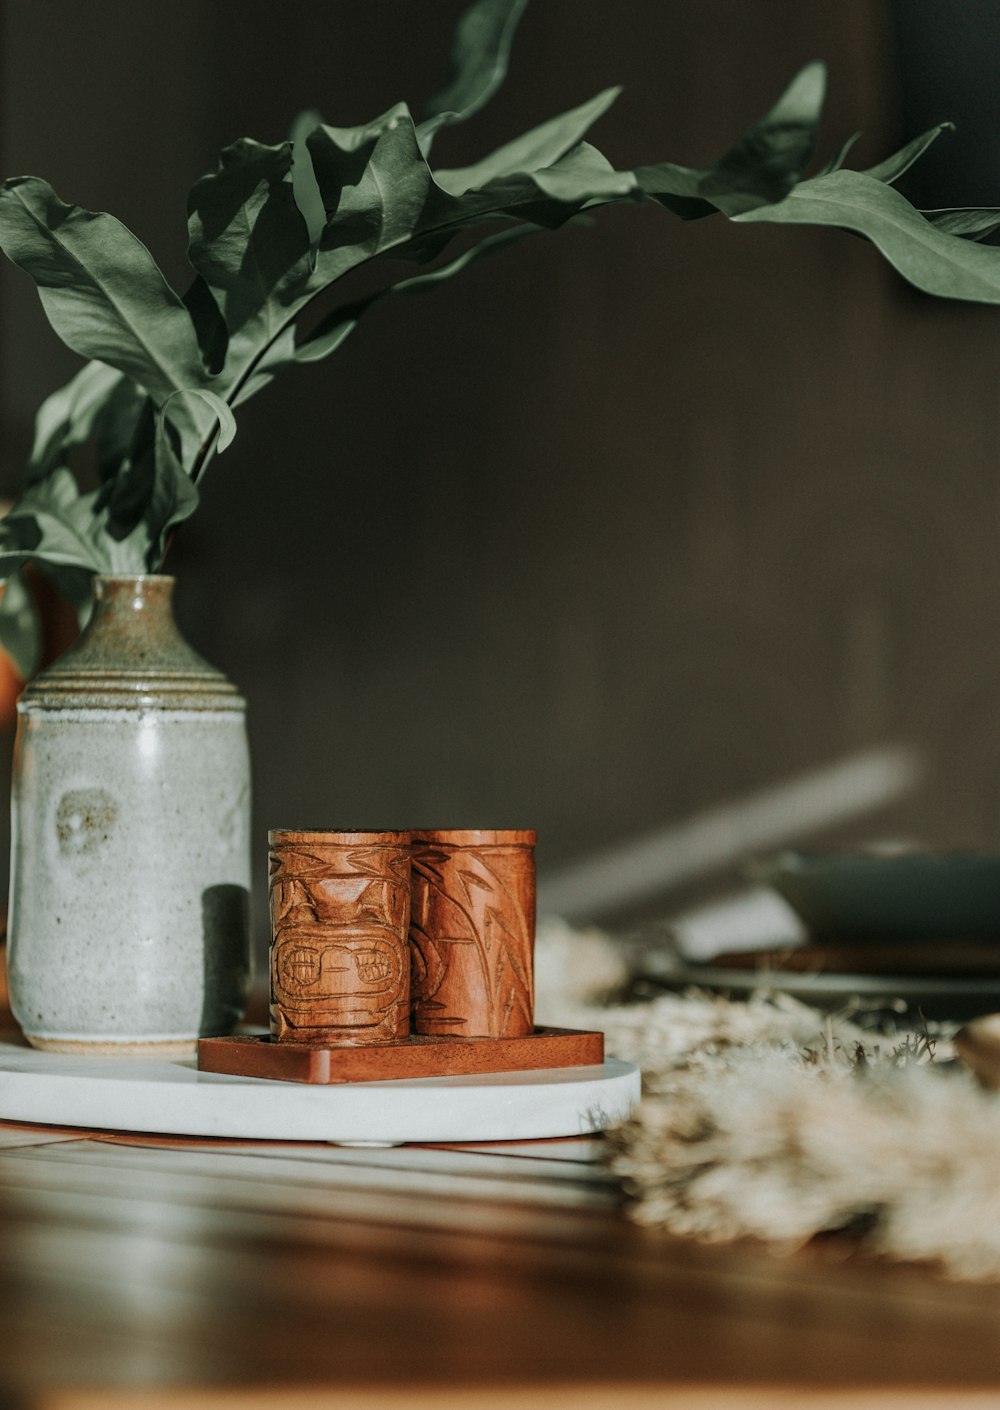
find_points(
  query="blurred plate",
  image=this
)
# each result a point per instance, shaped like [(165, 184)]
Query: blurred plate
[(903, 896), (940, 1000)]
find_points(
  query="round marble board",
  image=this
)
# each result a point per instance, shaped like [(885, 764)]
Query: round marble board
[(149, 1094)]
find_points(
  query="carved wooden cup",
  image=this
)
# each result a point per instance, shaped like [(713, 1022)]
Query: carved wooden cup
[(340, 966), (472, 933)]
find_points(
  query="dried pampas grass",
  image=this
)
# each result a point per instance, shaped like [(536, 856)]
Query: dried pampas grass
[(767, 1119)]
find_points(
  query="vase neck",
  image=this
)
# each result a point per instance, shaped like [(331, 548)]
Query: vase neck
[(132, 649), (147, 593), (133, 622)]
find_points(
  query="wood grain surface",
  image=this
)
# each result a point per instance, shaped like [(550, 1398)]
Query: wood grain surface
[(194, 1272), (582, 1396)]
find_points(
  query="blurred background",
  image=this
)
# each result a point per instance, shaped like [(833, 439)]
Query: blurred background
[(675, 541)]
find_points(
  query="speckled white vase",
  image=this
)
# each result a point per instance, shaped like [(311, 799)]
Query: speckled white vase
[(130, 854)]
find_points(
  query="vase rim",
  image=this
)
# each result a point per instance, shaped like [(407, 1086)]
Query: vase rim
[(134, 577)]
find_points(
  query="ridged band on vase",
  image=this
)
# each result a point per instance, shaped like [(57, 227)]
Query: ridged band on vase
[(340, 968), (132, 657), (472, 932)]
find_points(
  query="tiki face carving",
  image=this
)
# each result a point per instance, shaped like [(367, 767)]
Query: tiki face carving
[(339, 955), (309, 969)]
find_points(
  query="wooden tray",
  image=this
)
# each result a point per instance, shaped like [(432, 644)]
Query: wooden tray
[(417, 1056)]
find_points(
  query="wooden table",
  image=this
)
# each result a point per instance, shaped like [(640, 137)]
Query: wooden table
[(152, 1272)]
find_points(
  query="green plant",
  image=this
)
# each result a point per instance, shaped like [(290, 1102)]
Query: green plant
[(274, 227)]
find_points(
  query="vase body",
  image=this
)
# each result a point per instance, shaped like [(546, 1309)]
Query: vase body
[(128, 924)]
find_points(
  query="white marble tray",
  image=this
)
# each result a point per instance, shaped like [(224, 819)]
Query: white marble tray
[(143, 1094)]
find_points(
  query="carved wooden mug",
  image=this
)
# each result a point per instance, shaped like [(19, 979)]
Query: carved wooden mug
[(472, 932), (340, 966)]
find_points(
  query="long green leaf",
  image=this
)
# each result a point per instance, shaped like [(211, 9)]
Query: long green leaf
[(174, 496), (971, 222), (67, 418), (840, 156), (478, 65), (119, 425), (929, 258), (542, 147), (100, 287), (771, 157), (248, 239), (153, 490), (20, 626), (222, 410), (759, 170), (329, 334), (375, 184), (395, 202), (893, 167), (275, 227), (332, 331), (76, 586), (278, 354), (383, 199), (52, 523), (98, 403), (305, 188), (209, 325), (585, 170)]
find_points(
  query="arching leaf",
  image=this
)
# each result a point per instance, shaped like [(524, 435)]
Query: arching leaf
[(839, 157), (971, 222), (305, 188), (223, 413), (542, 147), (249, 241), (931, 259), (20, 627), (67, 418), (760, 169), (100, 287), (893, 167), (479, 57)]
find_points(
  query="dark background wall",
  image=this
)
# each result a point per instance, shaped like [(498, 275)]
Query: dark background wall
[(631, 523)]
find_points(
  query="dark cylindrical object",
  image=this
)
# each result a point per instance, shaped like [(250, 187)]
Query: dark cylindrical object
[(340, 969), (472, 932)]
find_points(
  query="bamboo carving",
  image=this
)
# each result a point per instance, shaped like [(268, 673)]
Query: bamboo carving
[(472, 932)]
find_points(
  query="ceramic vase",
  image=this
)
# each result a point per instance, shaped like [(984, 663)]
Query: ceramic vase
[(128, 922)]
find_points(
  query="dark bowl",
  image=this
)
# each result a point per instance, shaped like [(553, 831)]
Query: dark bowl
[(900, 896)]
